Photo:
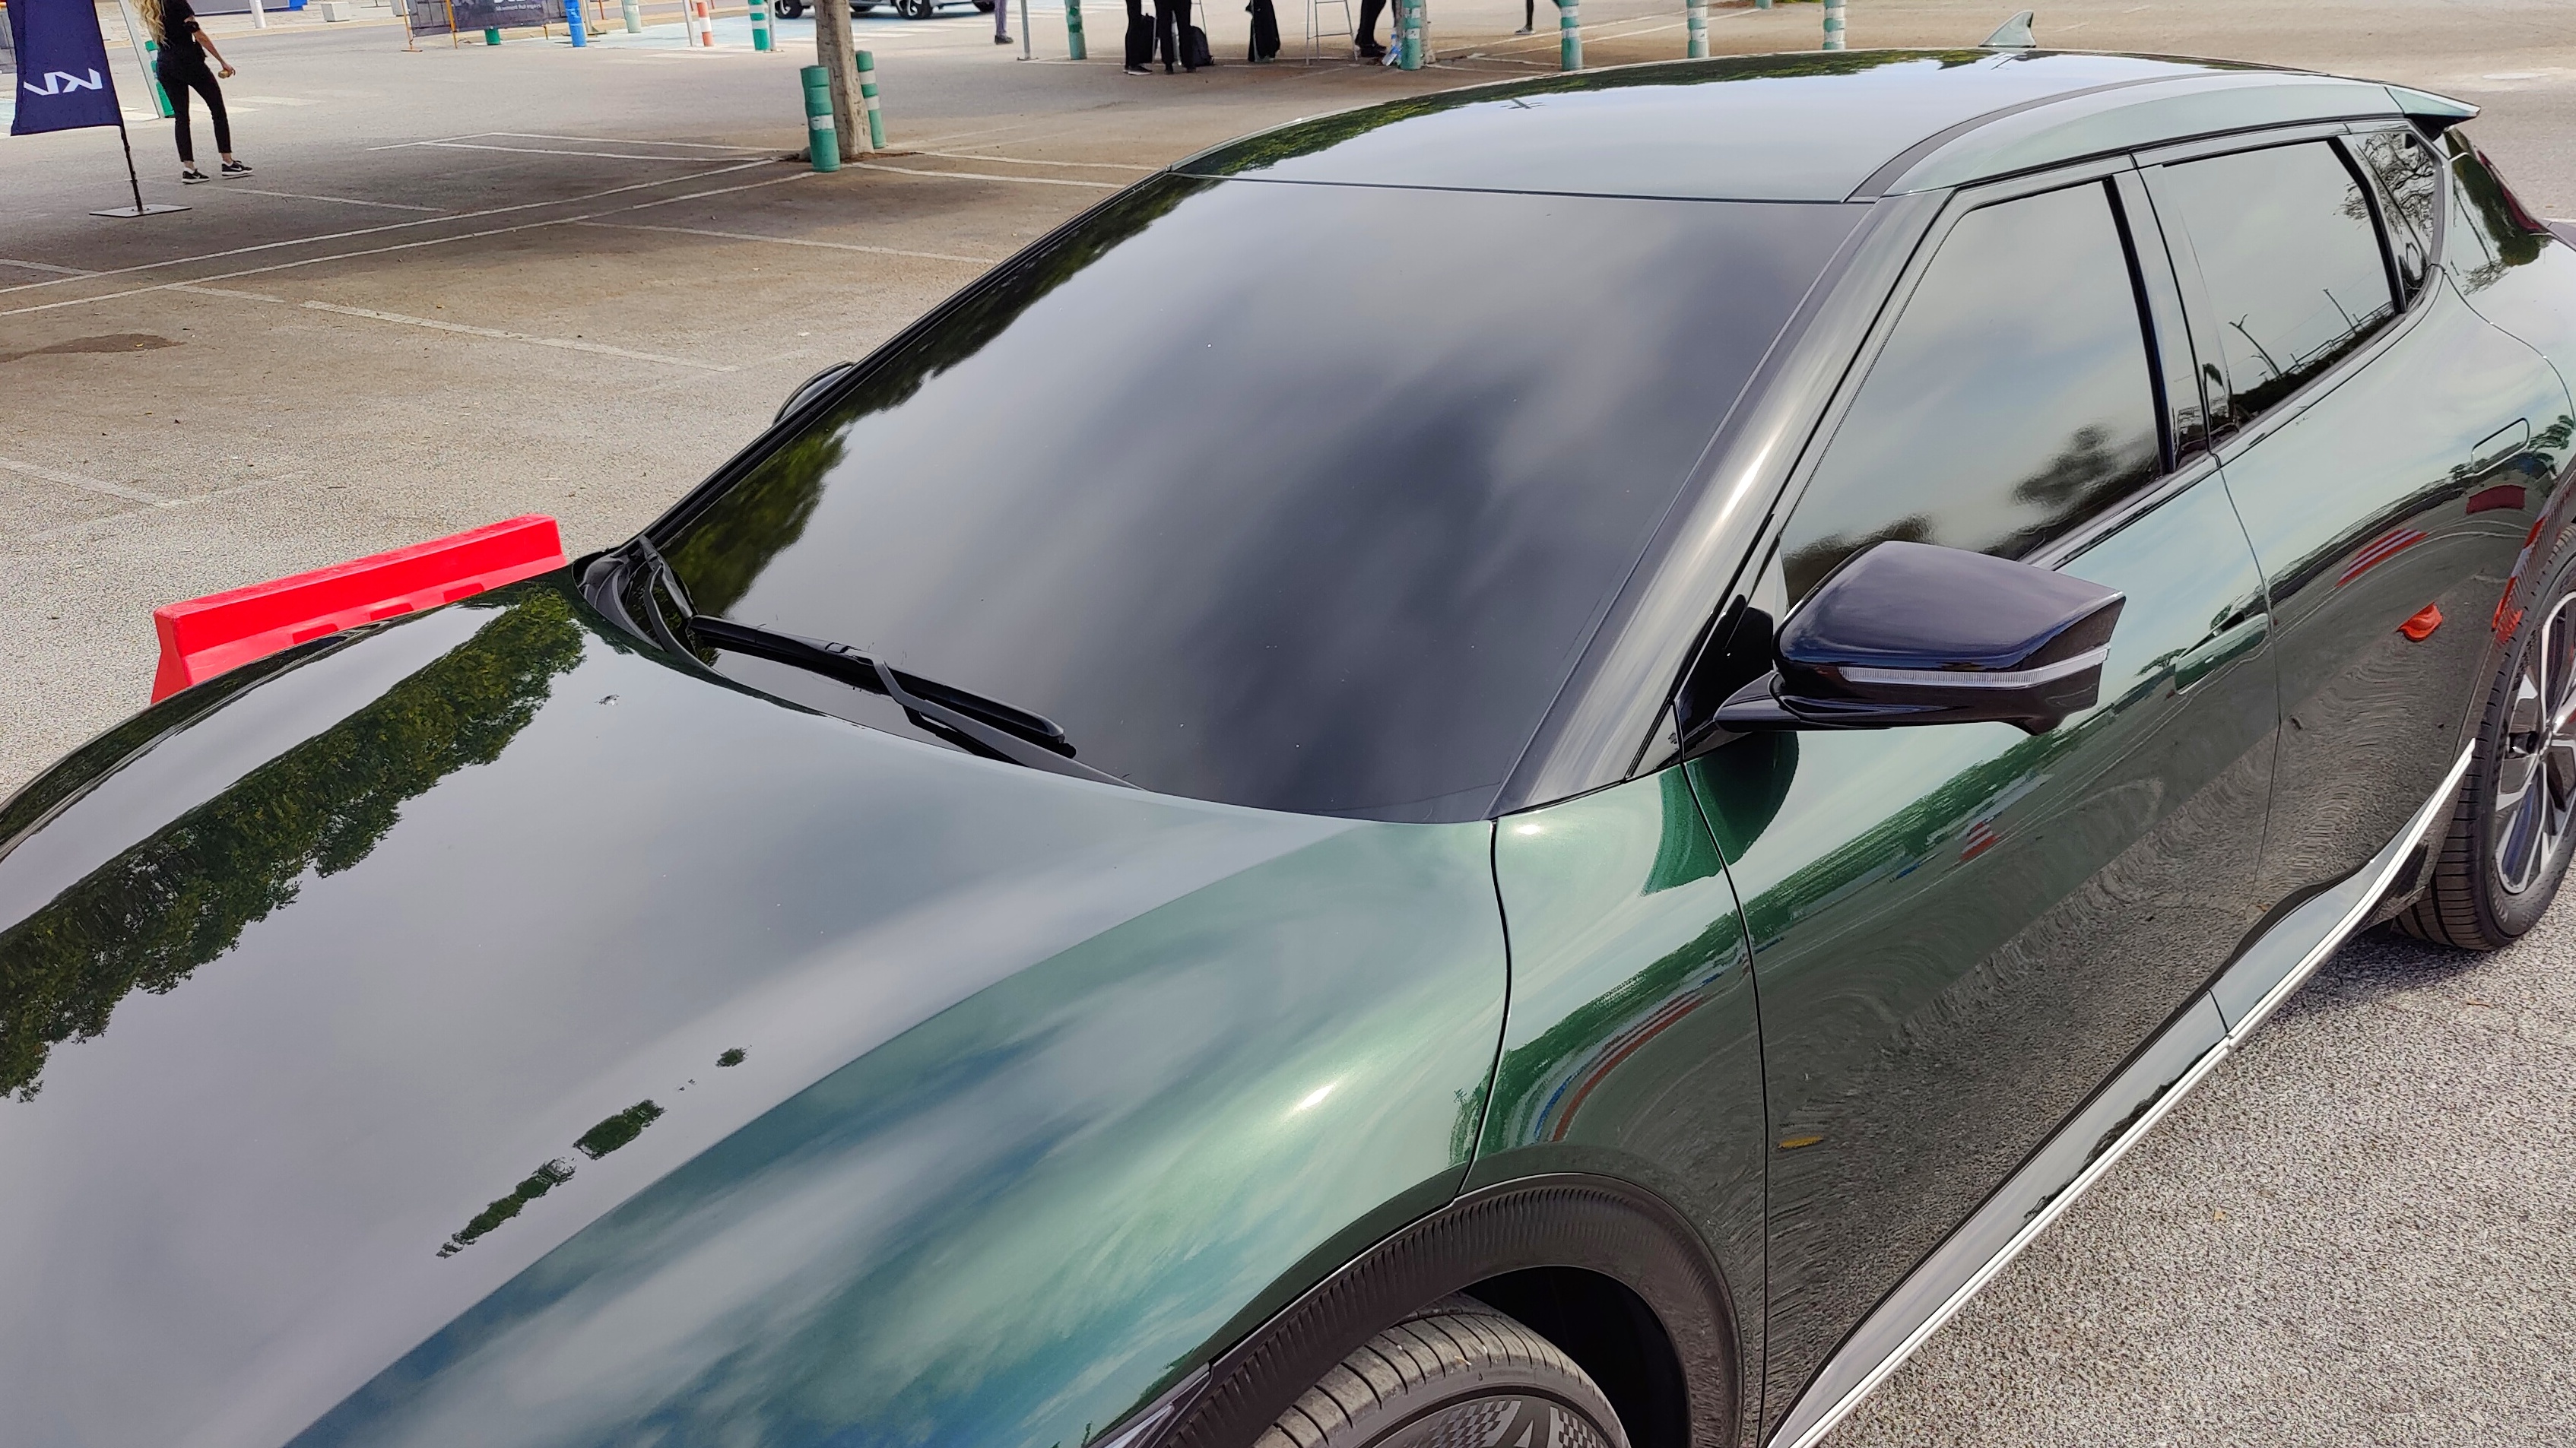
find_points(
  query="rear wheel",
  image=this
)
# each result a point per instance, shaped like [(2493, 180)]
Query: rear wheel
[(2512, 825), (1457, 1375)]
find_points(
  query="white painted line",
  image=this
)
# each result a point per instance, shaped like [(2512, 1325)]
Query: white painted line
[(545, 151), (971, 176), (1021, 161), (67, 530), (719, 191), (568, 344), (799, 241), (620, 141), (279, 101), (75, 480), (378, 230), (229, 293), (402, 145), (342, 200), (42, 266)]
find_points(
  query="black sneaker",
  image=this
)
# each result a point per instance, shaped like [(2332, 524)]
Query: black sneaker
[(1138, 70), (192, 176), (235, 168), (1001, 40), (1371, 52)]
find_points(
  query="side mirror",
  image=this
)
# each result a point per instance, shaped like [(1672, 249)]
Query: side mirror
[(1907, 633), (811, 388)]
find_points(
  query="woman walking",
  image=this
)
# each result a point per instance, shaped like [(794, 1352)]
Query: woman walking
[(181, 69)]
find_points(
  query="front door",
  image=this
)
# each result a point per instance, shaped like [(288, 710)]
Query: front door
[(2384, 459), (1960, 931)]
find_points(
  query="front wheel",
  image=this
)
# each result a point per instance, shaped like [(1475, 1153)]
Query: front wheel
[(2515, 818), (790, 9), (1459, 1375)]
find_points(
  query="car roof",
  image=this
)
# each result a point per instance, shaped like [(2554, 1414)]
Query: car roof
[(1819, 126)]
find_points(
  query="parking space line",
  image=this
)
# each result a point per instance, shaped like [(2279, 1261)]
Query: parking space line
[(75, 480), (45, 266), (368, 231), (341, 200), (717, 191), (620, 141), (975, 176), (798, 241), (1023, 161), (546, 151), (569, 344)]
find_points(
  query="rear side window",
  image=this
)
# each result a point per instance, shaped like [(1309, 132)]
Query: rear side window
[(2290, 258), (2013, 400), (2410, 185)]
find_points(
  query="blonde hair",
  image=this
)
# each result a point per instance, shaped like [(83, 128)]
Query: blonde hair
[(154, 17)]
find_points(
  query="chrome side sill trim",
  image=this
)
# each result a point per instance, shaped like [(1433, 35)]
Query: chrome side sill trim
[(2118, 1117), (2346, 905)]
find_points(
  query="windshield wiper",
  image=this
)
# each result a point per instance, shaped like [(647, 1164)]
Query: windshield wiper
[(987, 726)]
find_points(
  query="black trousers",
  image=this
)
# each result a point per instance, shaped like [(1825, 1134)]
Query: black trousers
[(178, 77), (1171, 31), (1140, 36), (1369, 11)]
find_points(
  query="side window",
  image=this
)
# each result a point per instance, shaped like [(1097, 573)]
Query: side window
[(2410, 185), (2013, 400), (2290, 259)]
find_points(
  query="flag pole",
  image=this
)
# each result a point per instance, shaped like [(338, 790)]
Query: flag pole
[(130, 178)]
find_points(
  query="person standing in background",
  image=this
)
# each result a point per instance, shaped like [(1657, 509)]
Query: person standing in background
[(1001, 22), (181, 68), (1140, 39), (1366, 42)]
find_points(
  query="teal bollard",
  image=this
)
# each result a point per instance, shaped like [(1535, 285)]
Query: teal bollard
[(1569, 35), (491, 35), (634, 17), (760, 26), (1833, 24), (1408, 55), (868, 98), (1073, 30), (823, 144), (1696, 16)]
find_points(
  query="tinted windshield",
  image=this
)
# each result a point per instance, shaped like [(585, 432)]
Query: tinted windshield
[(1301, 497)]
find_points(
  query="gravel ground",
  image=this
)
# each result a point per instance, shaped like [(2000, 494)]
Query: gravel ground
[(2356, 1232)]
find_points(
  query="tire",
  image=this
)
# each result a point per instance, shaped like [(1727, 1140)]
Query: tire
[(1457, 1375), (2511, 827), (984, 7), (790, 9)]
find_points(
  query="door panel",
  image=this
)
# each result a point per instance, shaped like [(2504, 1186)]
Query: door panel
[(1631, 1046), (2409, 488), (1959, 932)]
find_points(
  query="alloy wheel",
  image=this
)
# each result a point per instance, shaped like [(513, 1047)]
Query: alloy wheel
[(2535, 796)]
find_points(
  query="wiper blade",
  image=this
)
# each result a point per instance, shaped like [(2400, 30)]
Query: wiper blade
[(989, 726)]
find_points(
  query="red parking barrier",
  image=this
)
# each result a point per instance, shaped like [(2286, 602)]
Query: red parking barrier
[(203, 637)]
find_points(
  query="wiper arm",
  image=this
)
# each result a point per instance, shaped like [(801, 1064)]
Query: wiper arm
[(992, 727)]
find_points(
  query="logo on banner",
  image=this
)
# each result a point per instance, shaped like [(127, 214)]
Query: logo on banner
[(59, 81), (62, 67)]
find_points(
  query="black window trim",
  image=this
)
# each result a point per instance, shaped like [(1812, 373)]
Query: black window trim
[(2199, 314)]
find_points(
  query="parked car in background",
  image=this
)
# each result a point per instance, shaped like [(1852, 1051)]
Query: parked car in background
[(1567, 862)]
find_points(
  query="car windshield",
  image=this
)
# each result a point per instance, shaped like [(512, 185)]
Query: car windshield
[(1299, 497)]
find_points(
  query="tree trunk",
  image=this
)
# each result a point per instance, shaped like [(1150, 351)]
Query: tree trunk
[(836, 52)]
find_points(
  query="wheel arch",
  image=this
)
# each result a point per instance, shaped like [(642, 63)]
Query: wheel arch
[(1606, 1269)]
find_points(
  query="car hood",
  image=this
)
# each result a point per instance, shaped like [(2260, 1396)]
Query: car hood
[(332, 1000)]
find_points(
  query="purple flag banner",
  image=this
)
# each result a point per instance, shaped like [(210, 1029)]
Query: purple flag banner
[(62, 77)]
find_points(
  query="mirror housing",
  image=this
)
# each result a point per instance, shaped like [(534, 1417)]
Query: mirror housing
[(811, 388), (1910, 633)]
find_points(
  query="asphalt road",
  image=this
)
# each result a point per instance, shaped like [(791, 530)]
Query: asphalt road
[(469, 283)]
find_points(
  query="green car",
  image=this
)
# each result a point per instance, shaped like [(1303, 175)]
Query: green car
[(1532, 768)]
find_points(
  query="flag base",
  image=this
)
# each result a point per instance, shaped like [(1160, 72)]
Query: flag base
[(151, 210)]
